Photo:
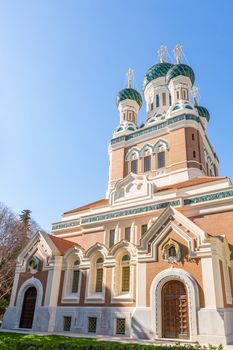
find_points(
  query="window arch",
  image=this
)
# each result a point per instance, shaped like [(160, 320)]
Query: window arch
[(123, 280), (72, 278), (96, 275)]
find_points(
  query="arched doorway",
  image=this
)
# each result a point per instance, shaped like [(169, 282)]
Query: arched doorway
[(175, 310), (28, 308)]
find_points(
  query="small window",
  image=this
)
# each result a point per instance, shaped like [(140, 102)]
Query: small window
[(127, 234), (143, 229), (120, 326), (126, 258), (134, 166), (92, 321), (164, 99), (99, 280), (157, 100), (151, 106), (66, 323), (161, 160), (185, 94), (111, 238), (147, 163), (177, 95), (194, 154), (75, 282), (193, 137), (170, 100)]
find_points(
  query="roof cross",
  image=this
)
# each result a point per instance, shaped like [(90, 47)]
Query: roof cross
[(195, 92), (130, 77), (161, 53), (177, 52)]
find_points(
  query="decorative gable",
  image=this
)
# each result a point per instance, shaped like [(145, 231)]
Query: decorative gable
[(132, 188), (172, 219), (40, 247)]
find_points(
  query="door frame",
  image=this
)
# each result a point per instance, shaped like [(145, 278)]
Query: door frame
[(156, 299), (31, 282)]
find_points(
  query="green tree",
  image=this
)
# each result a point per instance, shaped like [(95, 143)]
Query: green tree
[(25, 218)]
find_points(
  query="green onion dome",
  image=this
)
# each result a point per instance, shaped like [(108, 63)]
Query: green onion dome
[(130, 94), (154, 72), (180, 69), (203, 112)]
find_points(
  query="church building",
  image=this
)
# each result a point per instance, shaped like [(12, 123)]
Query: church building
[(154, 258)]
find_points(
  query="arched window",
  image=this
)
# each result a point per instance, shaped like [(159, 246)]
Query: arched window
[(75, 281), (161, 160), (147, 163), (99, 275), (125, 273), (134, 166)]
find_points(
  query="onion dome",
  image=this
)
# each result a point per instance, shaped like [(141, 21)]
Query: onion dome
[(130, 94), (203, 112), (180, 69), (154, 72)]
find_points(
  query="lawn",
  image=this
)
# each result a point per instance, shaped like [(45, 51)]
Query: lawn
[(16, 341)]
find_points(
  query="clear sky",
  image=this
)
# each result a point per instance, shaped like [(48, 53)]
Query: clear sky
[(61, 66)]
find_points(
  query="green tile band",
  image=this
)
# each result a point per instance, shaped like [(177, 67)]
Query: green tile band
[(161, 126), (208, 197), (116, 214)]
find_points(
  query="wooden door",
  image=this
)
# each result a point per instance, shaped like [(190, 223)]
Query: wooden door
[(28, 309), (175, 310)]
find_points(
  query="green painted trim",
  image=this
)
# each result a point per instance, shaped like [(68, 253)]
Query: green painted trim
[(209, 197), (148, 208), (127, 212), (66, 225), (156, 127), (116, 214), (161, 126)]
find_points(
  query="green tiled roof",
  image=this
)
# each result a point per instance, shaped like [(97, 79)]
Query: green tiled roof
[(180, 69), (130, 94), (203, 112), (156, 71)]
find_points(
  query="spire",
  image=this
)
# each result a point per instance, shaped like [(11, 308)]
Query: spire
[(161, 53), (195, 91), (177, 52), (130, 77)]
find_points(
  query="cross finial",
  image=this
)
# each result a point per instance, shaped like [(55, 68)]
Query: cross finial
[(161, 53), (130, 77), (177, 52), (195, 91)]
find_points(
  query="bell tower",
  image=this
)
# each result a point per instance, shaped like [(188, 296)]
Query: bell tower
[(171, 145)]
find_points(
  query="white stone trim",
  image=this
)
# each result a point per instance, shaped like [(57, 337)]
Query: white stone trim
[(31, 282), (156, 302)]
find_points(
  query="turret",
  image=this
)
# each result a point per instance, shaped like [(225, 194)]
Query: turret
[(155, 89), (179, 79), (129, 102)]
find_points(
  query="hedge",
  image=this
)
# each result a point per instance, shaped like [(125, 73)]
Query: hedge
[(29, 345)]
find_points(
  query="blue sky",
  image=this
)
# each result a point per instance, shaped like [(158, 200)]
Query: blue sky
[(61, 66)]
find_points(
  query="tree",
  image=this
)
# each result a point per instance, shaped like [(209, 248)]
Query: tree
[(14, 234), (25, 218)]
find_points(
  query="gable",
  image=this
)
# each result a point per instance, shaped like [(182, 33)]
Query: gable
[(131, 189), (171, 221)]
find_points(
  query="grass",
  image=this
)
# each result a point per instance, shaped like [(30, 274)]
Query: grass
[(20, 341)]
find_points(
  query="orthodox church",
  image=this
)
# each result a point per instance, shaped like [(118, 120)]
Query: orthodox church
[(152, 260)]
